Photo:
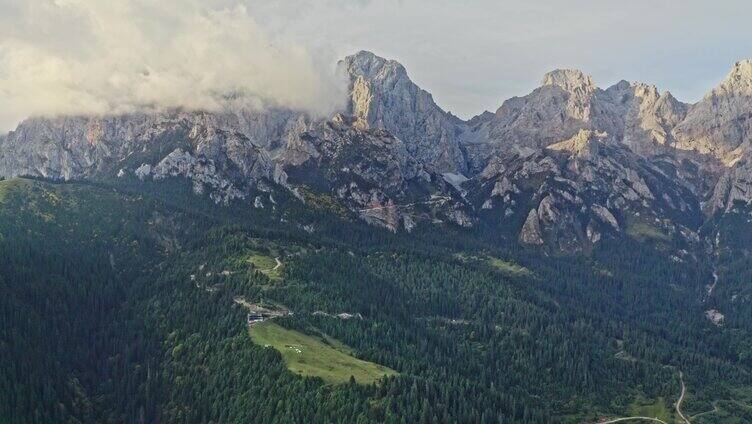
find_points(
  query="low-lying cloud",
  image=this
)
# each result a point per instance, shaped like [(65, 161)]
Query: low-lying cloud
[(118, 56)]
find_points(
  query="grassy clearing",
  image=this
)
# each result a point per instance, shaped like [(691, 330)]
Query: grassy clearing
[(262, 262), (509, 268), (641, 229), (652, 408), (315, 357), (266, 265)]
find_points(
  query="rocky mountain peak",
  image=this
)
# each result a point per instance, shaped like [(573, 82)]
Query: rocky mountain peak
[(739, 78), (621, 86), (643, 90), (371, 67), (570, 80), (583, 158), (383, 96), (721, 123), (567, 102)]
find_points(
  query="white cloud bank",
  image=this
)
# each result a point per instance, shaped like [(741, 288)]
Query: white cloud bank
[(118, 56)]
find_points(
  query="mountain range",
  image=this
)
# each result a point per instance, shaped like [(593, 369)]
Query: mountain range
[(559, 168), (580, 255)]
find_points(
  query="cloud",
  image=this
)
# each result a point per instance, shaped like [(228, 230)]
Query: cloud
[(97, 56), (119, 56)]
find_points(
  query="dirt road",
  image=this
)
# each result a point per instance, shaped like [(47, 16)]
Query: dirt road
[(616, 420), (677, 406), (681, 398)]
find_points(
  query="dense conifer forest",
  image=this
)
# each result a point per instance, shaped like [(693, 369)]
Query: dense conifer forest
[(125, 303)]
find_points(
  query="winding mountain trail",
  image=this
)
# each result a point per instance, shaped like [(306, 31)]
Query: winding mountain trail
[(681, 398), (275, 267), (279, 264), (677, 406), (616, 420), (712, 411)]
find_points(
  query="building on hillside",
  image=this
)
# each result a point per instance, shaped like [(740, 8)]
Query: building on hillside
[(255, 318)]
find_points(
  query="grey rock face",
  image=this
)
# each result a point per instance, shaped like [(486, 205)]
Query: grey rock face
[(734, 187), (383, 96), (69, 148), (720, 126), (721, 123), (346, 146), (563, 105), (258, 203), (566, 166), (581, 190), (369, 171), (202, 173), (650, 118), (569, 101), (605, 216), (270, 129), (531, 231), (180, 144), (142, 172), (82, 147)]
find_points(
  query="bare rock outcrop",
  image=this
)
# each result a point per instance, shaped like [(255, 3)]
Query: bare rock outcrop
[(733, 188), (581, 190), (721, 123), (368, 171), (566, 166), (568, 101), (83, 147), (156, 146), (383, 96), (531, 231)]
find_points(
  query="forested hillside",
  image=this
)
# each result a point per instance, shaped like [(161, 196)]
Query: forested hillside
[(128, 303)]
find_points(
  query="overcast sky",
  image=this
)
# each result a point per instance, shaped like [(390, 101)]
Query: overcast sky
[(472, 54), (95, 56)]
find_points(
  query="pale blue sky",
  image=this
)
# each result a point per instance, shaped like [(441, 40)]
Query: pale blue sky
[(473, 54)]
